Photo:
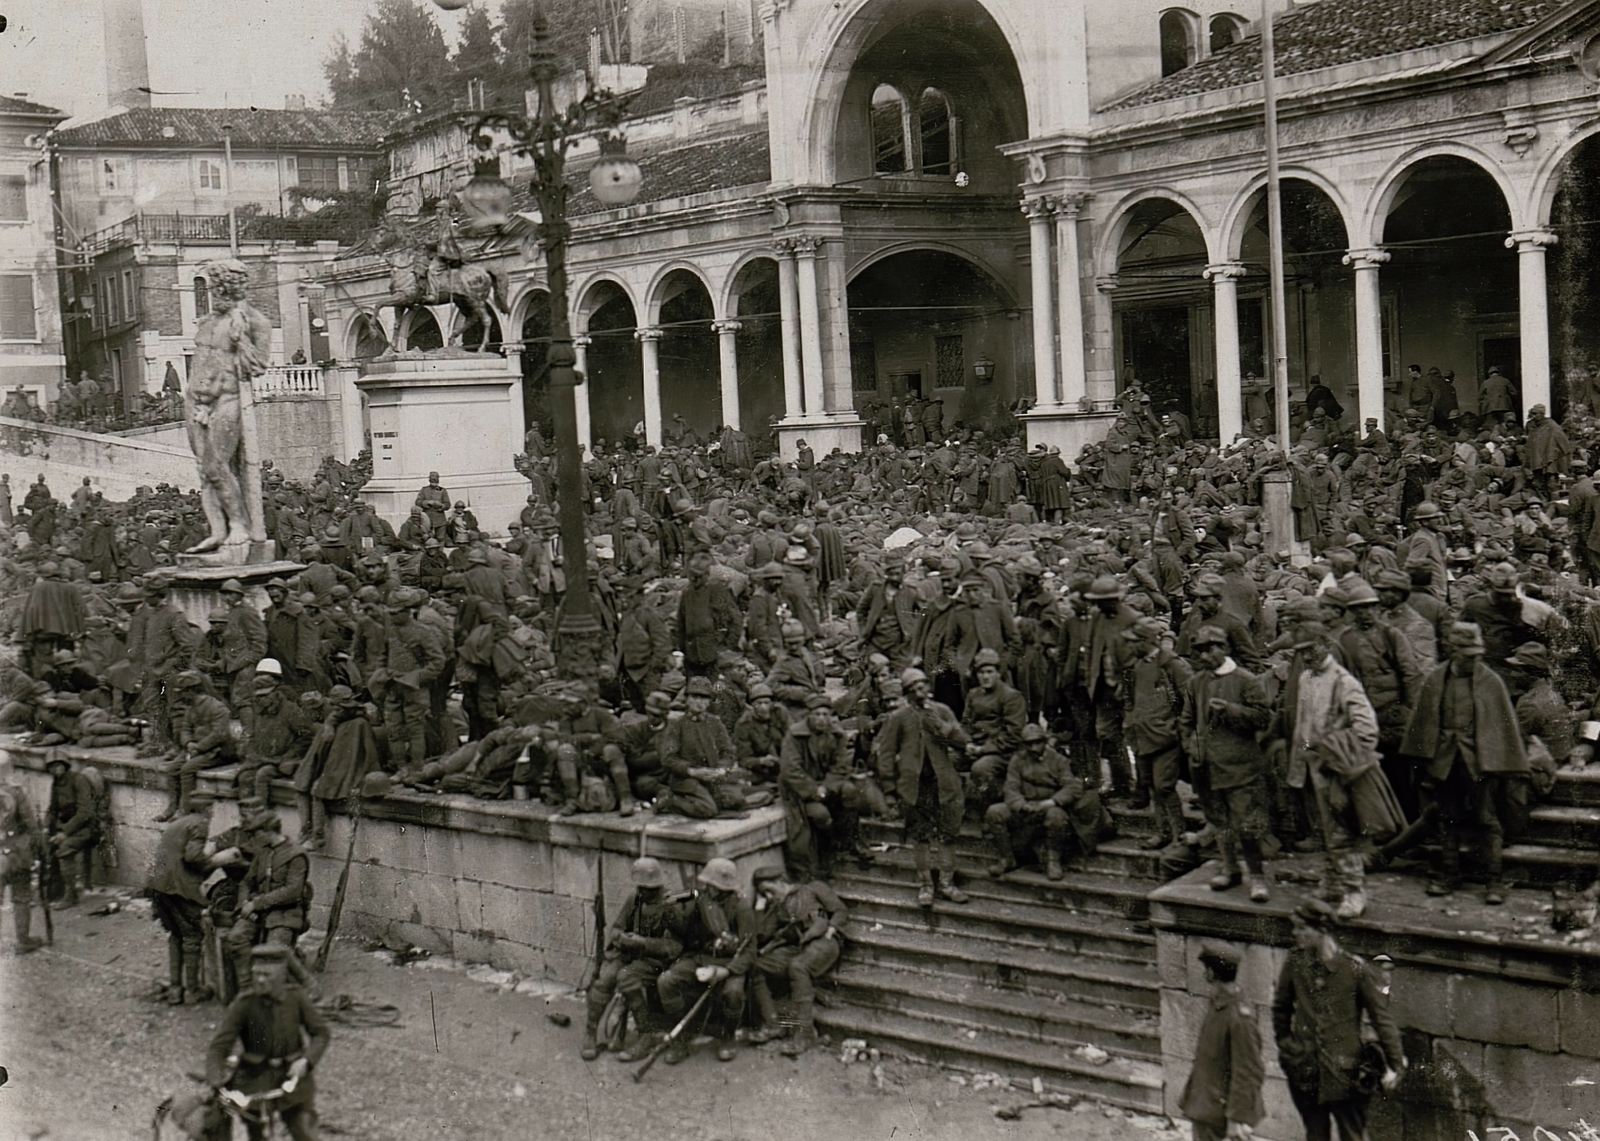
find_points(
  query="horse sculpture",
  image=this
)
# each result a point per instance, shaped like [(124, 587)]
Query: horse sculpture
[(420, 277)]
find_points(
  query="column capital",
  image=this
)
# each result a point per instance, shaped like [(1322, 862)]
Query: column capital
[(1370, 258), (784, 246), (1037, 209), (1224, 271), (1069, 206), (806, 246), (648, 334), (726, 328), (1107, 283), (1527, 241), (582, 341)]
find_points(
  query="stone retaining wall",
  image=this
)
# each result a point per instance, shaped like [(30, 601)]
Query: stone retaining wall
[(498, 882)]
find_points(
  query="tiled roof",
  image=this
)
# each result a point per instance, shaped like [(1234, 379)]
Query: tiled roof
[(1344, 31), (669, 82), (714, 164), (13, 106), (253, 128)]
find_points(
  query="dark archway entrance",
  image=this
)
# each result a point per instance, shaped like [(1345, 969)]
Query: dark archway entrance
[(535, 364), (616, 377), (760, 350), (688, 359), (424, 332), (1574, 282), (919, 322)]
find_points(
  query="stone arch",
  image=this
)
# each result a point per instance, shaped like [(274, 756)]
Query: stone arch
[(1388, 186), (1109, 247), (883, 253), (1182, 35), (653, 292), (416, 324), (363, 333), (842, 40), (1547, 178), (586, 297), (728, 295), (521, 304), (1236, 221)]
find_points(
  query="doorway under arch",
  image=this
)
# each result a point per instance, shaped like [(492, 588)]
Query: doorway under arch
[(688, 358), (616, 374)]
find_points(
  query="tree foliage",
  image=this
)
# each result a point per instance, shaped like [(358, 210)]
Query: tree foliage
[(401, 51)]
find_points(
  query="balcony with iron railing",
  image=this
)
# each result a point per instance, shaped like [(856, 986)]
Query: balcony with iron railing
[(212, 230)]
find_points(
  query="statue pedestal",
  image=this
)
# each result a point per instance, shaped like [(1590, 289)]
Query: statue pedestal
[(455, 414), (1065, 428), (1277, 519), (822, 434), (197, 586)]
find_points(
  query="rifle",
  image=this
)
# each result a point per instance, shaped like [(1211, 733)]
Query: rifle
[(49, 873), (337, 907), (592, 970), (699, 1004)]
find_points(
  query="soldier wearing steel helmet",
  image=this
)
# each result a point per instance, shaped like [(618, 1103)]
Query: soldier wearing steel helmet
[(644, 939), (718, 950), (20, 846)]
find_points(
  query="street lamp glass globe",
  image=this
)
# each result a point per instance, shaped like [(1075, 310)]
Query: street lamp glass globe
[(615, 180), (451, 5)]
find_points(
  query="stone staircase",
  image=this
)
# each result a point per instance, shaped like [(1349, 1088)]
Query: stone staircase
[(1032, 978), (1562, 842)]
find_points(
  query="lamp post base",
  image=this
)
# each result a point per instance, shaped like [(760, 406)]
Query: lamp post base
[(580, 648)]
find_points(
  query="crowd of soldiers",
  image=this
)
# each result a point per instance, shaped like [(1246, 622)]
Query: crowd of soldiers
[(946, 629)]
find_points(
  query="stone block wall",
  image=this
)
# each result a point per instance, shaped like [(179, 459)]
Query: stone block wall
[(497, 882), (297, 431), (1499, 1035)]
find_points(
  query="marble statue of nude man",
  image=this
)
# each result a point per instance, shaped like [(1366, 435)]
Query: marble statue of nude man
[(231, 344)]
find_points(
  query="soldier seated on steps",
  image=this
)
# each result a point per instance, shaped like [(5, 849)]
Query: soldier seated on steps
[(1042, 795)]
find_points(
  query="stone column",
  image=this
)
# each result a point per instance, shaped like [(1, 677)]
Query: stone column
[(1074, 377), (580, 391), (1105, 333), (1369, 334), (810, 325), (1534, 306), (728, 347), (789, 329), (1224, 278), (1045, 389), (649, 347)]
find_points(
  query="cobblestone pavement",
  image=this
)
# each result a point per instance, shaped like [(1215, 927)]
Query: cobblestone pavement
[(89, 1055)]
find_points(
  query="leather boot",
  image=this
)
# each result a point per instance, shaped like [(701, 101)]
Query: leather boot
[(805, 1030), (193, 992), (1494, 856), (174, 971), (1005, 856), (766, 1010), (1229, 875), (302, 803), (1448, 876), (174, 799), (1353, 884), (924, 876), (849, 831), (22, 916), (944, 881), (1052, 860), (626, 805), (1255, 876), (319, 824), (1169, 815), (590, 1050), (186, 785)]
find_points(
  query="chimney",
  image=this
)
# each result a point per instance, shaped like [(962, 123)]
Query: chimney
[(294, 102), (127, 62)]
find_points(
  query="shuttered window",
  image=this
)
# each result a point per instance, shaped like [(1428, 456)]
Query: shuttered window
[(13, 198), (16, 308)]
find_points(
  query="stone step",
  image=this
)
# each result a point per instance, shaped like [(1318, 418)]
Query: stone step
[(1037, 924), (1021, 1013), (1543, 864), (1132, 1082), (1120, 856), (1078, 889), (1564, 826), (1002, 962), (1577, 788)]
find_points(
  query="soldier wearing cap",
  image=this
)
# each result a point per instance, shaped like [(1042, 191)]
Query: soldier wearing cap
[(272, 896), (1394, 608), (763, 622), (1541, 712), (160, 640), (916, 770), (758, 734), (1223, 710), (1222, 1097), (643, 940), (798, 672), (643, 648), (822, 798), (1043, 795), (1206, 591), (1465, 741), (889, 612), (1426, 546), (1154, 680), (415, 656), (183, 859), (994, 716), (1498, 614), (291, 635), (1384, 663), (434, 502), (1321, 996), (708, 620), (635, 744), (692, 747), (71, 824), (946, 638), (1090, 652), (280, 730), (800, 929), (205, 738), (20, 849), (279, 1034), (719, 948)]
